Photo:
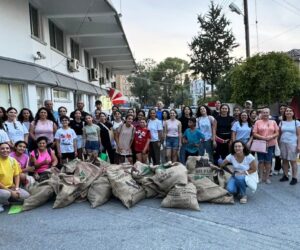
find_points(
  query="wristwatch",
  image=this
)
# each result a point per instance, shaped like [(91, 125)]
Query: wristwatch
[(17, 189)]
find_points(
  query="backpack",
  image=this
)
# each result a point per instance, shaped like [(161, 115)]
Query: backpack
[(36, 153)]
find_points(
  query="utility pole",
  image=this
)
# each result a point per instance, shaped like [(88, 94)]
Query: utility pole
[(246, 22)]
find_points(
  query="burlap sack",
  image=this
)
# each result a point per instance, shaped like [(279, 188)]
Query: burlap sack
[(140, 170), (40, 193), (99, 191), (194, 162), (125, 187), (72, 187), (226, 199), (205, 172), (166, 179), (182, 196), (221, 177), (206, 189)]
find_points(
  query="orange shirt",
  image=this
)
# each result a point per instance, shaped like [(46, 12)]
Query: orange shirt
[(266, 128)]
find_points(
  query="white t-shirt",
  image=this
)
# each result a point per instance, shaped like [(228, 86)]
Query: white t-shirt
[(16, 131), (66, 138), (204, 123), (242, 132), (240, 166), (3, 136), (116, 124), (155, 126), (288, 131)]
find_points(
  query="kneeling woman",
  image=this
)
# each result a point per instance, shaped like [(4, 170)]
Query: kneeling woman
[(243, 163), (42, 158)]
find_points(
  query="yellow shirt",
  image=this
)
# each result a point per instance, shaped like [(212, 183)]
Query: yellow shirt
[(9, 168)]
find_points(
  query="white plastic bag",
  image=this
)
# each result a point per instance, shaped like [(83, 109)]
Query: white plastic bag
[(251, 181)]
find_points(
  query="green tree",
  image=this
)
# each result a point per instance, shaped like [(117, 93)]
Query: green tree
[(143, 87), (168, 74), (265, 79), (212, 46)]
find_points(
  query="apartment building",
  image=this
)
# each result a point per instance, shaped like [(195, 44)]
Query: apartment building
[(63, 50)]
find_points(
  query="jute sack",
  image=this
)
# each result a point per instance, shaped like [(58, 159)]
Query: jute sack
[(205, 172), (124, 187), (221, 177), (206, 189), (191, 163), (226, 199), (140, 170), (182, 196), (99, 191), (166, 179), (40, 193), (72, 187)]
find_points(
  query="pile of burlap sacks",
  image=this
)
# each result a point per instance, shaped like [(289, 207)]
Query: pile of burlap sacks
[(180, 186)]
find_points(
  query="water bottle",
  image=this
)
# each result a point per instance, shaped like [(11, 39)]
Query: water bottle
[(220, 161)]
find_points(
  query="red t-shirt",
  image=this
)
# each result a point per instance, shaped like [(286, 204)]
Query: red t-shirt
[(140, 138)]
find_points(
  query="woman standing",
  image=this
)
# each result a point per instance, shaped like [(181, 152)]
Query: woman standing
[(241, 129), (172, 131), (124, 138), (207, 125), (289, 144), (156, 130), (77, 125), (91, 138), (187, 113), (96, 119), (62, 111), (223, 132), (117, 122), (140, 115), (25, 117), (107, 137), (3, 114), (43, 125), (243, 164), (253, 116), (266, 130), (14, 129), (3, 134)]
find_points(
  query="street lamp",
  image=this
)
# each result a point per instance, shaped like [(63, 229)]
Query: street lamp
[(234, 8)]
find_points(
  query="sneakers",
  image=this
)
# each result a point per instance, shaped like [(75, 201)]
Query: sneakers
[(1, 208), (293, 181), (268, 181), (243, 200), (284, 178)]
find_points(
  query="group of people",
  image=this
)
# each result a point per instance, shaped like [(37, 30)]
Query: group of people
[(30, 145)]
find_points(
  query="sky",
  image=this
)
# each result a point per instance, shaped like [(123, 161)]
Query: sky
[(163, 28)]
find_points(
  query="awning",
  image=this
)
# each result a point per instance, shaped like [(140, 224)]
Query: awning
[(11, 69), (14, 70)]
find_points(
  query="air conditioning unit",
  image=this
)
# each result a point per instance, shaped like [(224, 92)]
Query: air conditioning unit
[(93, 74), (73, 65)]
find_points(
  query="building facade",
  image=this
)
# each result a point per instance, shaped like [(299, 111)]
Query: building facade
[(63, 50)]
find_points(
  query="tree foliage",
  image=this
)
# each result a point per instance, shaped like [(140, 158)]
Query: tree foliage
[(265, 79), (212, 46)]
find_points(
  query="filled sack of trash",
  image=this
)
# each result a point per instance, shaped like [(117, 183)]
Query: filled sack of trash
[(99, 191)]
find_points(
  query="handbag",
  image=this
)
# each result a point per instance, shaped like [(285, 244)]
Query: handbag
[(251, 181), (259, 146), (277, 149)]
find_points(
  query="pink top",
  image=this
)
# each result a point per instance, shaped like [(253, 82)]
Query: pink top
[(172, 127), (266, 128), (23, 159), (42, 156), (44, 128)]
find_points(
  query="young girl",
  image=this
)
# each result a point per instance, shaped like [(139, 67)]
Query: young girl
[(23, 159), (42, 158), (91, 137), (77, 125), (124, 138), (142, 138), (3, 134)]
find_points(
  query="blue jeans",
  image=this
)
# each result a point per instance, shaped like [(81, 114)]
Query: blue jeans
[(206, 145), (237, 185), (182, 154)]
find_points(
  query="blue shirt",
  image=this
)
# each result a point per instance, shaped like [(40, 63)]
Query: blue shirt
[(193, 137), (159, 115), (243, 132)]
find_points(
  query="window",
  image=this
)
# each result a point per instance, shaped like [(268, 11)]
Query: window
[(56, 37), (12, 95), (86, 59), (34, 21), (60, 95), (74, 49), (95, 62), (40, 97), (114, 85)]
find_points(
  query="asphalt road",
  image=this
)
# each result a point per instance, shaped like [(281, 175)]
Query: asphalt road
[(270, 220)]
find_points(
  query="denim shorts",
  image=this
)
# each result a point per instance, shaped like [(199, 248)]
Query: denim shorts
[(266, 157), (92, 145), (79, 141), (172, 143)]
